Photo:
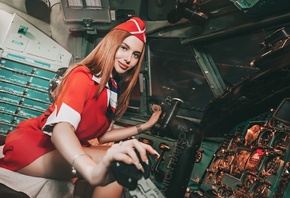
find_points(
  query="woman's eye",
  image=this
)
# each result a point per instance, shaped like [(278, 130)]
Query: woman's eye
[(136, 55), (124, 48)]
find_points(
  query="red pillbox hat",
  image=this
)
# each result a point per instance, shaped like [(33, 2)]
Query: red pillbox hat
[(135, 26)]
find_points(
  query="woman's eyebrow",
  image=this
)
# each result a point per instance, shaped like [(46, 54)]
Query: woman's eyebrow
[(136, 51)]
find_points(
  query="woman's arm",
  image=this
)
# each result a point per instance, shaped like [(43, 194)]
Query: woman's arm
[(123, 133), (68, 145)]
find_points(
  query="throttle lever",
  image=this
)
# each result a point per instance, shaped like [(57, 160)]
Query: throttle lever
[(159, 175)]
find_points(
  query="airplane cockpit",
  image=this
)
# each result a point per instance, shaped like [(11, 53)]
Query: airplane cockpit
[(219, 69)]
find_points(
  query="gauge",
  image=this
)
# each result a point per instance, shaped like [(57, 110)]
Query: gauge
[(252, 134), (238, 165), (261, 191), (271, 166), (281, 140), (218, 177), (209, 177), (215, 165), (234, 143), (265, 139), (248, 181), (226, 162)]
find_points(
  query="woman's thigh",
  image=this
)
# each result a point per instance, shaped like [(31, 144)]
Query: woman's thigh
[(53, 165)]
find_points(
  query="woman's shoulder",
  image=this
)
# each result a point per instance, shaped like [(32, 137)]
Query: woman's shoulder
[(82, 70)]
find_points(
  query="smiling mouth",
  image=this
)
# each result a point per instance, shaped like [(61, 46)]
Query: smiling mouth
[(122, 66)]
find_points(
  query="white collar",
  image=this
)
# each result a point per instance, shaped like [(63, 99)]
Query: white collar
[(98, 80)]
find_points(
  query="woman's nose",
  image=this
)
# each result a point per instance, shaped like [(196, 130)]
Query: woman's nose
[(127, 59)]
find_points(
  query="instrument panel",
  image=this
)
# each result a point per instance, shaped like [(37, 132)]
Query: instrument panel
[(252, 160), (29, 59)]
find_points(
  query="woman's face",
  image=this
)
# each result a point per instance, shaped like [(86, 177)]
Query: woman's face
[(128, 54)]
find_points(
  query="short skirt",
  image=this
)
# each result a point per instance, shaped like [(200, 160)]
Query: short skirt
[(23, 146)]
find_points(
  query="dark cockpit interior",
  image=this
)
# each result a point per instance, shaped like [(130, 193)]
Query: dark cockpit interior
[(219, 69)]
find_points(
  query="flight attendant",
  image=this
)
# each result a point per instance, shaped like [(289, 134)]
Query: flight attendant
[(91, 96)]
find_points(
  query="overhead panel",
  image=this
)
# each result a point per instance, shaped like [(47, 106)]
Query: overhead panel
[(80, 10)]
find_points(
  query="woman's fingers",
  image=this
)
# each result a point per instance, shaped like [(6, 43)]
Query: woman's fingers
[(126, 151), (155, 108), (154, 117)]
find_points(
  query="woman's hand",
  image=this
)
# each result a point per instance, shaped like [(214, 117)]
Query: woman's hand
[(154, 117), (118, 134), (125, 152)]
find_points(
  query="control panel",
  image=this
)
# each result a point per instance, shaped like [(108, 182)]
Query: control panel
[(29, 59), (250, 161)]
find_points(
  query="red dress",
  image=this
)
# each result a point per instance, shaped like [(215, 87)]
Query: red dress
[(76, 105)]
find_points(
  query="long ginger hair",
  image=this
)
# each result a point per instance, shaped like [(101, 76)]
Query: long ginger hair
[(100, 62)]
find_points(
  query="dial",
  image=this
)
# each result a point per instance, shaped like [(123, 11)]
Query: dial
[(265, 139), (271, 166), (281, 140)]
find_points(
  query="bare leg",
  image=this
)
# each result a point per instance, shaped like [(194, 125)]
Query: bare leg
[(53, 165), (113, 190)]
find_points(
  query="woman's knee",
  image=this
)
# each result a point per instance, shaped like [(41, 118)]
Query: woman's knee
[(112, 190)]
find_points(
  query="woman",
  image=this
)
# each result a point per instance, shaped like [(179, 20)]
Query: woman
[(55, 144)]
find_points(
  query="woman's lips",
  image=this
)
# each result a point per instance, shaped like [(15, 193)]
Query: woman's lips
[(124, 67)]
